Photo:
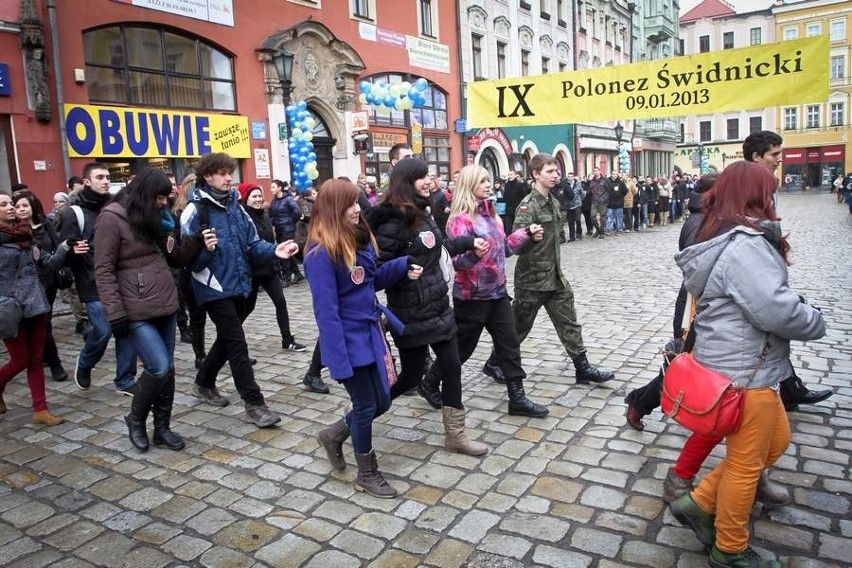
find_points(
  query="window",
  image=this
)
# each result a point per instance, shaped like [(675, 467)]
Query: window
[(791, 33), (544, 9), (813, 116), (754, 36), (838, 30), (791, 118), (813, 29), (704, 44), (705, 134), (432, 115), (476, 46), (838, 66), (836, 114), (733, 129), (562, 66), (755, 124), (436, 153), (501, 60), (361, 9), (426, 17), (155, 67), (545, 65), (728, 40), (560, 12), (525, 63)]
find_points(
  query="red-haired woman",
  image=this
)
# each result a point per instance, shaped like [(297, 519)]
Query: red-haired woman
[(20, 260), (745, 319), (341, 266)]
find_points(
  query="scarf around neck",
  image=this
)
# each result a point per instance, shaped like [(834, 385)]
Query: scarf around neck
[(19, 234)]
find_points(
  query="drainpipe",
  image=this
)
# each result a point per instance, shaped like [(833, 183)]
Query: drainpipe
[(462, 98), (60, 93)]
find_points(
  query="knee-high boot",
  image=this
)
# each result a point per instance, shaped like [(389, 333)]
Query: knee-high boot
[(455, 437), (147, 390), (430, 387), (162, 411)]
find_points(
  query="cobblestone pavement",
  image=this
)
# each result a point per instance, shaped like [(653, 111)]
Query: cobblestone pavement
[(578, 488)]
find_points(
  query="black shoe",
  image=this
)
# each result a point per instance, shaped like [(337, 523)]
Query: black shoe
[(808, 397), (585, 373), (493, 370), (82, 377), (520, 405), (292, 345), (315, 384), (58, 374)]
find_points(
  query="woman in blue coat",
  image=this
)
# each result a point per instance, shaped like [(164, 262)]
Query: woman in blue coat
[(343, 277)]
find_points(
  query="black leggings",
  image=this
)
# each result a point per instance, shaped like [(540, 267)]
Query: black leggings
[(413, 362), (272, 286)]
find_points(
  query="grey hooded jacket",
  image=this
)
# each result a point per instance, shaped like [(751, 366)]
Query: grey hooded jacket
[(741, 282)]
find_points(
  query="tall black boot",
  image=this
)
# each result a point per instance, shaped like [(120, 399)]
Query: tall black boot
[(794, 392), (198, 346), (586, 374), (162, 411), (430, 387), (519, 404), (147, 389)]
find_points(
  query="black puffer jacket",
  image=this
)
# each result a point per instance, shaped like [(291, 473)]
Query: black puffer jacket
[(263, 224), (423, 304)]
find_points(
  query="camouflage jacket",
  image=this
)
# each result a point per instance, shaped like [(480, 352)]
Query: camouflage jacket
[(538, 266)]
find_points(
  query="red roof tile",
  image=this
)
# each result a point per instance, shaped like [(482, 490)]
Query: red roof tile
[(708, 9)]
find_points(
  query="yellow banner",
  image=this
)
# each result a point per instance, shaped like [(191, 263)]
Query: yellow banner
[(790, 72), (105, 132)]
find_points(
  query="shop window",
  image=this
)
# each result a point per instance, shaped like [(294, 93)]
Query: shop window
[(153, 66), (836, 114), (436, 152)]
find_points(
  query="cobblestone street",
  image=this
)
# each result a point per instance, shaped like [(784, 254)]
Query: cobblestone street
[(577, 488)]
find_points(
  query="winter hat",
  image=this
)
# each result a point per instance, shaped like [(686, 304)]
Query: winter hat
[(60, 196), (245, 189)]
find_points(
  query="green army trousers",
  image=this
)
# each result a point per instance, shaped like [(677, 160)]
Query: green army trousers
[(559, 305)]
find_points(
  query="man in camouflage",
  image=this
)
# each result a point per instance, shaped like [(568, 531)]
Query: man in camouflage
[(539, 280), (600, 202)]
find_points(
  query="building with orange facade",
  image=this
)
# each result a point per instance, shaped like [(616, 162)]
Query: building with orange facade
[(139, 81)]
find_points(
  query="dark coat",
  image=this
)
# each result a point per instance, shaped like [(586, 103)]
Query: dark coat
[(284, 213), (514, 192), (83, 266), (134, 278), (423, 305), (616, 189), (264, 230), (19, 278)]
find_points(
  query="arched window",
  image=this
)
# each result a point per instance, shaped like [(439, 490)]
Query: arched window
[(158, 67)]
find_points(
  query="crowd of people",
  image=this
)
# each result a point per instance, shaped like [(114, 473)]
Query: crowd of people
[(158, 258)]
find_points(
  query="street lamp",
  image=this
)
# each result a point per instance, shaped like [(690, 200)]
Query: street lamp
[(619, 132), (283, 61)]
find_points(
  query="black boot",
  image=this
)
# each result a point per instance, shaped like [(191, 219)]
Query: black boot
[(493, 370), (147, 389), (794, 392), (162, 411), (430, 387), (197, 336), (519, 404), (586, 374), (313, 381)]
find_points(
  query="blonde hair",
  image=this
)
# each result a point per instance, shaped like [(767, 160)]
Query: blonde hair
[(183, 195), (464, 199)]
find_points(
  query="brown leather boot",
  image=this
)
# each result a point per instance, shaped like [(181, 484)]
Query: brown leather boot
[(332, 439), (455, 438), (46, 418), (370, 479)]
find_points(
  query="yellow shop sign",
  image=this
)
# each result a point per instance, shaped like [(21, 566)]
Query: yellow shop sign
[(103, 132), (789, 72)]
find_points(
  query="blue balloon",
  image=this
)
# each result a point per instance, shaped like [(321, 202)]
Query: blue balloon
[(366, 87), (421, 84), (309, 184), (302, 105), (312, 157), (388, 101)]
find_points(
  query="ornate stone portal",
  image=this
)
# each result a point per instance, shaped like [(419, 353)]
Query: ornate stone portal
[(35, 62), (324, 73)]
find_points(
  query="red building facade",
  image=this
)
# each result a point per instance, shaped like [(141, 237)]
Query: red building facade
[(141, 85)]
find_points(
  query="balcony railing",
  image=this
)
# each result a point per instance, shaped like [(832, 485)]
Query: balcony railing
[(665, 128), (660, 27)]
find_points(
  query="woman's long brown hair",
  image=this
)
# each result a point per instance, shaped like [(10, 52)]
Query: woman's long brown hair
[(329, 228)]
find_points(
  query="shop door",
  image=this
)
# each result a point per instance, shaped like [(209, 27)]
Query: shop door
[(325, 159)]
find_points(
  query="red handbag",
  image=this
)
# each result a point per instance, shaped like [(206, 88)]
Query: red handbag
[(701, 400)]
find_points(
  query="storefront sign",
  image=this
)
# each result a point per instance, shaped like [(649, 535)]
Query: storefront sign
[(258, 130), (105, 132), (813, 155), (416, 138), (832, 153), (357, 121), (784, 73), (793, 156), (384, 141), (215, 11), (261, 163), (5, 87), (498, 136), (428, 54), (391, 38)]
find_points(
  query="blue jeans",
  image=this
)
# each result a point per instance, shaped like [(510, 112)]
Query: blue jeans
[(610, 220), (644, 214), (618, 220), (154, 343), (369, 401), (96, 344)]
